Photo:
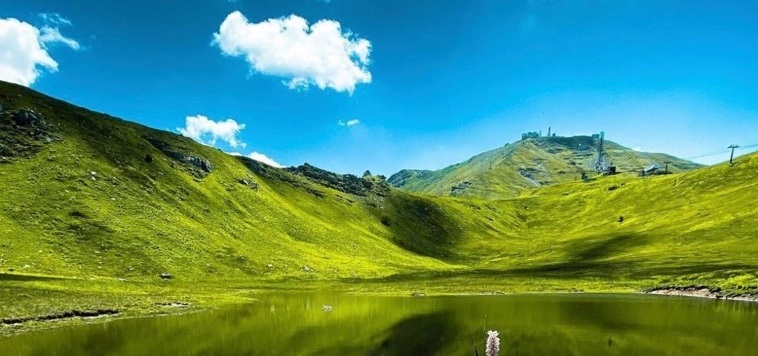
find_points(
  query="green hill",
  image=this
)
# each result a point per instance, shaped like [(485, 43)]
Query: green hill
[(95, 206), (508, 171)]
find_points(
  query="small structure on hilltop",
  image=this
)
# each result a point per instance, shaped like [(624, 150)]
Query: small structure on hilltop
[(527, 135), (650, 170)]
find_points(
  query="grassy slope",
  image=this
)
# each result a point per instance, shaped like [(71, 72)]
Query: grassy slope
[(138, 219), (507, 171)]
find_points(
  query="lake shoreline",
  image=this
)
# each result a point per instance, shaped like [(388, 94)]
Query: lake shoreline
[(10, 326), (702, 292)]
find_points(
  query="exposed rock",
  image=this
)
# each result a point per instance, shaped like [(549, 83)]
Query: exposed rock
[(702, 292), (248, 183), (327, 308), (418, 294), (459, 188), (346, 183), (200, 162), (28, 117), (193, 160), (307, 269), (23, 133), (165, 275)]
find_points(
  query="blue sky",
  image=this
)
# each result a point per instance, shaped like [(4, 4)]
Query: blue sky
[(386, 85)]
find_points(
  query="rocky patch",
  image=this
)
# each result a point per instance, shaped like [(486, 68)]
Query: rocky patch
[(23, 133), (702, 292), (64, 315), (192, 162)]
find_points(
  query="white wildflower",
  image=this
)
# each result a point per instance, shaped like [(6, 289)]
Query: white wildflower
[(493, 344)]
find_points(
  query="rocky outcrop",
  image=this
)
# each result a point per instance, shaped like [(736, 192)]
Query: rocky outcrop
[(198, 165), (347, 183), (196, 161), (460, 188), (29, 117), (702, 292), (23, 133)]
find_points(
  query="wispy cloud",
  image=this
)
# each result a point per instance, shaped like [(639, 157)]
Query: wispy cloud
[(349, 123), (54, 19), (207, 131), (320, 54), (53, 35)]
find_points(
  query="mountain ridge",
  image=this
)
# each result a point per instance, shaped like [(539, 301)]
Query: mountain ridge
[(508, 171)]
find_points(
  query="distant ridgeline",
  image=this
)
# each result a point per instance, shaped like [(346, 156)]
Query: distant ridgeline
[(534, 161)]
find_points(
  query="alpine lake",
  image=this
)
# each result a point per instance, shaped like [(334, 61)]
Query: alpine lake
[(341, 324)]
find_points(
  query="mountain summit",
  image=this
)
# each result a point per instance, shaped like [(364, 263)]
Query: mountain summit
[(507, 171)]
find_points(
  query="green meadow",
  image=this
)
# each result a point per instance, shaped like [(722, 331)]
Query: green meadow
[(93, 209)]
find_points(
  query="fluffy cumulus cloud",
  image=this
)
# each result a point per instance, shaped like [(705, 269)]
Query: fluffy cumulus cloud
[(349, 123), (260, 157), (320, 54), (207, 131), (24, 48)]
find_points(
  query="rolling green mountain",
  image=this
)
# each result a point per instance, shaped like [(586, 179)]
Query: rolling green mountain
[(508, 171), (96, 199)]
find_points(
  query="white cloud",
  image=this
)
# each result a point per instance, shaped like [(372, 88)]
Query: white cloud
[(54, 18), (319, 54), (23, 50), (201, 128), (349, 123), (260, 157), (638, 149), (53, 35)]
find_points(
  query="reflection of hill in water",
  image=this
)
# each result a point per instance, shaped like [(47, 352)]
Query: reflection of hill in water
[(358, 325)]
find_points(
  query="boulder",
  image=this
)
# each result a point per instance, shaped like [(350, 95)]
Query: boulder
[(27, 117), (201, 163), (165, 275)]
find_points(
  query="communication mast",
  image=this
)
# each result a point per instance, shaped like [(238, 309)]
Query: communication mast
[(603, 163)]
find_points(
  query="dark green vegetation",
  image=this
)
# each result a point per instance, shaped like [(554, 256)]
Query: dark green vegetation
[(296, 324), (509, 171), (93, 209)]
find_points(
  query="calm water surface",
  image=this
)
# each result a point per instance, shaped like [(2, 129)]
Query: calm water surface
[(296, 324)]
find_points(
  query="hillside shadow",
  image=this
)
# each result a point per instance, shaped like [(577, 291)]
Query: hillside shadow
[(419, 225), (593, 257), (426, 334)]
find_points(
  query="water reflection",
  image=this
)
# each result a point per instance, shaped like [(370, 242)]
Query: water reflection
[(296, 324)]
